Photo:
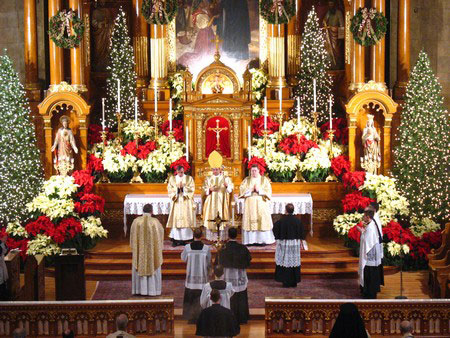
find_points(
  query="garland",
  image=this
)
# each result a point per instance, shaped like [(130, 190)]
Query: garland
[(66, 22), (277, 12), (159, 12), (368, 26)]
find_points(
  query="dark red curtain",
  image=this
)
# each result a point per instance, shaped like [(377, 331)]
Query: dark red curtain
[(224, 138)]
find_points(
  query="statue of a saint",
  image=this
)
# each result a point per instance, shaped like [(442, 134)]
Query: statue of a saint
[(371, 144), (333, 24), (63, 146)]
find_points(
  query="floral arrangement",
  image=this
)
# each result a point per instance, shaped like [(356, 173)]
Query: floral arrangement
[(340, 130), (177, 128), (277, 12), (176, 84), (413, 240), (259, 83), (65, 214), (258, 126), (138, 148), (66, 22), (368, 26), (181, 162), (159, 12)]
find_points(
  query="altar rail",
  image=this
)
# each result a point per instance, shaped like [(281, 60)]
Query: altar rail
[(382, 317), (87, 319)]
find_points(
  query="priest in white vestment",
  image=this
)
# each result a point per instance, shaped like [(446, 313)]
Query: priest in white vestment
[(256, 219), (217, 189), (225, 289), (370, 266), (181, 188), (146, 241)]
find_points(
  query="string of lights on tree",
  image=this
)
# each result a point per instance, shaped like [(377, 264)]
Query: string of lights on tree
[(120, 67), (422, 156), (21, 174), (315, 62)]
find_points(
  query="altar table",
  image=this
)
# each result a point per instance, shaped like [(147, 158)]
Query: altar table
[(133, 204)]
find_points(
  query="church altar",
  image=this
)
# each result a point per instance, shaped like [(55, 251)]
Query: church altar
[(134, 203)]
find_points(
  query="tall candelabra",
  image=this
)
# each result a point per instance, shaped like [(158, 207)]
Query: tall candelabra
[(104, 178), (156, 122), (171, 137), (280, 118), (265, 135), (298, 175), (119, 125), (315, 130), (136, 173), (331, 177)]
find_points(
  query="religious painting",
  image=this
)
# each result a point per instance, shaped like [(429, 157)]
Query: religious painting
[(236, 23), (217, 83), (217, 136), (102, 23)]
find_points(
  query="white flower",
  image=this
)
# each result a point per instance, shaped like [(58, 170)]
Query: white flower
[(395, 249), (42, 245), (292, 127), (421, 226), (161, 158), (51, 207), (343, 223), (338, 149), (60, 186), (143, 129), (92, 227), (16, 229), (315, 158)]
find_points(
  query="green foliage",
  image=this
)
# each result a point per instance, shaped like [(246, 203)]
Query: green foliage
[(155, 177), (318, 175), (284, 176), (274, 14), (21, 175), (121, 67), (422, 156), (121, 176), (315, 62)]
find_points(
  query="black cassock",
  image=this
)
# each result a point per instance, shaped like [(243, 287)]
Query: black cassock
[(217, 321), (287, 229), (235, 258)]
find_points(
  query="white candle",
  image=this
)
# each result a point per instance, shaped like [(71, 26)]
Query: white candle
[(187, 144), (103, 114), (249, 145), (314, 89), (156, 98), (265, 102), (298, 111), (331, 118), (118, 95), (280, 96), (170, 114), (136, 111), (265, 119)]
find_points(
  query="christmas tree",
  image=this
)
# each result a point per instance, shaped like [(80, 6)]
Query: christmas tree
[(423, 153), (120, 68), (314, 65), (20, 167)]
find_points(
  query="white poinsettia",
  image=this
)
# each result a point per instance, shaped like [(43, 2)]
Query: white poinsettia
[(92, 227), (162, 157), (177, 85), (143, 129), (42, 245), (51, 207), (292, 127), (114, 161), (338, 149), (60, 186), (421, 226), (343, 223), (395, 249), (16, 229), (315, 159)]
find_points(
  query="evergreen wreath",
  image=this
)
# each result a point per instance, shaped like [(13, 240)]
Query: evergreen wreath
[(368, 26), (66, 22), (277, 12), (159, 12)]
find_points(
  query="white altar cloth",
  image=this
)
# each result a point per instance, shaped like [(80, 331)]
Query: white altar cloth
[(133, 204)]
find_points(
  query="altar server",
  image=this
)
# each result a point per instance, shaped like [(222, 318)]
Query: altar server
[(235, 258), (225, 289), (181, 219), (289, 233), (198, 258), (256, 219), (370, 267), (146, 241), (217, 189)]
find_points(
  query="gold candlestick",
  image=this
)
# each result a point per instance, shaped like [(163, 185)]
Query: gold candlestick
[(280, 118), (156, 122), (331, 177), (265, 134), (171, 137), (119, 126), (104, 178), (298, 175), (136, 174)]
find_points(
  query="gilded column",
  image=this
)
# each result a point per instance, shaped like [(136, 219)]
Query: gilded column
[(276, 53), (359, 53), (403, 48), (76, 53), (158, 55), (140, 44), (387, 144), (30, 45), (55, 53), (293, 43), (377, 52), (351, 143)]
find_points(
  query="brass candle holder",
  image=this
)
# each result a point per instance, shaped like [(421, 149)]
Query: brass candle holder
[(119, 125), (331, 177), (265, 134), (280, 119), (136, 173), (170, 135), (298, 175), (315, 130), (104, 178), (156, 122)]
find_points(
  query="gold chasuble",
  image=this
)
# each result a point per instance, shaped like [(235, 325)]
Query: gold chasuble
[(216, 201), (181, 192), (256, 215), (146, 241)]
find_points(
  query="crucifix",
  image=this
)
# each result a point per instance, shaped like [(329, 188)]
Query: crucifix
[(217, 41), (217, 130)]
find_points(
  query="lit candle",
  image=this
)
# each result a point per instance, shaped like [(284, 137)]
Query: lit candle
[(118, 95), (298, 111), (136, 111), (249, 145), (314, 89), (156, 98), (103, 114), (187, 144), (170, 114), (331, 118)]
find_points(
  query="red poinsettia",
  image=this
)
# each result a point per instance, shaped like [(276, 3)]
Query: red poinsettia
[(340, 165), (177, 128), (43, 225), (423, 246), (340, 130), (94, 164), (181, 161), (21, 244), (258, 126), (130, 148), (354, 233), (260, 162), (66, 229), (296, 145), (354, 179), (84, 179), (355, 201), (145, 149), (94, 134), (89, 204), (395, 232)]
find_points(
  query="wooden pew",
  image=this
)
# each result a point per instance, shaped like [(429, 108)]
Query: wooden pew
[(439, 266), (12, 260), (440, 252), (87, 318)]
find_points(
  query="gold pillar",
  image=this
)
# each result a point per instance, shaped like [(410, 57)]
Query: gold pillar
[(30, 48), (359, 55), (158, 55), (55, 53), (276, 53), (403, 48), (377, 52), (387, 144), (293, 42), (140, 44), (351, 143), (76, 53)]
